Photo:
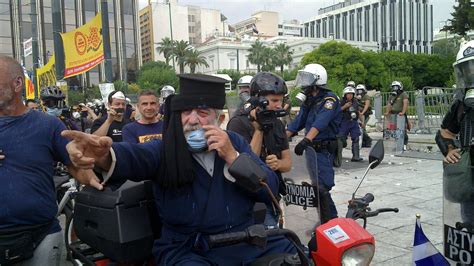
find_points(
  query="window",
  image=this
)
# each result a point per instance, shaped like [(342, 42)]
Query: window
[(232, 63)]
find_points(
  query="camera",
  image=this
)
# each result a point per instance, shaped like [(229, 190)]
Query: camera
[(265, 117)]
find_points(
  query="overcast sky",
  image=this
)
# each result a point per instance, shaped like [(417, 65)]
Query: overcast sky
[(237, 10)]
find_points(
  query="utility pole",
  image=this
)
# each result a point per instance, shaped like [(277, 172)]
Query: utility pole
[(34, 30)]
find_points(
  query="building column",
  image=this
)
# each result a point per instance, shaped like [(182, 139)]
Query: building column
[(379, 25), (362, 24), (348, 26)]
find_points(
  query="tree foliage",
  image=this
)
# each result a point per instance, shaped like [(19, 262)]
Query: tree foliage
[(256, 54), (463, 18), (377, 70), (180, 53), (194, 59), (155, 75), (166, 47), (282, 56)]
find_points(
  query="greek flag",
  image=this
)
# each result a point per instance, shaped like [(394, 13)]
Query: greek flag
[(424, 252)]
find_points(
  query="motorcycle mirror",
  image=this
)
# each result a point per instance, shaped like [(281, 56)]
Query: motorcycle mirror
[(247, 173), (376, 154)]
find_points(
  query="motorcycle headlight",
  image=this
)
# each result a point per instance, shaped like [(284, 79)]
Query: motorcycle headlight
[(358, 255)]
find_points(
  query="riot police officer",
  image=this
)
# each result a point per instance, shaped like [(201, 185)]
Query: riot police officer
[(350, 123), (365, 111), (264, 131), (243, 89), (459, 122), (351, 83), (320, 115), (398, 105), (166, 91)]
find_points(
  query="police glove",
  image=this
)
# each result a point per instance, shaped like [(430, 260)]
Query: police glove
[(301, 146)]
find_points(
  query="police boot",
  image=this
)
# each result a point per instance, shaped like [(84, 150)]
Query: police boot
[(355, 152)]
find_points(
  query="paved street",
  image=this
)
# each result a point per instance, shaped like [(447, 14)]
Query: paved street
[(414, 185)]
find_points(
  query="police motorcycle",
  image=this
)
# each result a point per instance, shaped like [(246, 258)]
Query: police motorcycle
[(458, 179), (347, 242)]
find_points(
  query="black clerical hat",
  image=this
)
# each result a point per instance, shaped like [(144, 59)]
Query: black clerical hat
[(199, 91)]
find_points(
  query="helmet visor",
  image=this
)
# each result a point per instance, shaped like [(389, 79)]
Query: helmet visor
[(396, 88), (305, 79), (52, 103), (464, 74), (166, 92)]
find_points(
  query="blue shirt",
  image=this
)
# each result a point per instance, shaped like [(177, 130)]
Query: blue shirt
[(322, 112), (140, 133), (31, 144)]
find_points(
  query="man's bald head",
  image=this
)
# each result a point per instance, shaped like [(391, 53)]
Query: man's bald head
[(10, 67), (11, 86)]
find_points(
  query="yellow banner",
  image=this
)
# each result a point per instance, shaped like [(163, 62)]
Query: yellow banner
[(29, 88), (46, 75), (83, 47)]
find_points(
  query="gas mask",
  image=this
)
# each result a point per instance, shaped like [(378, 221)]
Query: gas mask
[(54, 111), (395, 90), (76, 115), (244, 96), (303, 95), (196, 140), (469, 98)]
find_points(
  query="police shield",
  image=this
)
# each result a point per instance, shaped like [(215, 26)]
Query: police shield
[(394, 131), (233, 103), (309, 195), (458, 211)]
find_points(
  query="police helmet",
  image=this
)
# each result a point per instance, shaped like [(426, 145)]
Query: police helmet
[(396, 86), (348, 90), (244, 81), (267, 83), (361, 89), (351, 84), (311, 75), (166, 91), (464, 66)]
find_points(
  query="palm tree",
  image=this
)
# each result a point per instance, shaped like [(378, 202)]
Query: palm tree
[(282, 55), (194, 59), (180, 53), (267, 57), (256, 54), (166, 47)]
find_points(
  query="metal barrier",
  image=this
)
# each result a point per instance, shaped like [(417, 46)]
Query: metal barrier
[(426, 110)]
